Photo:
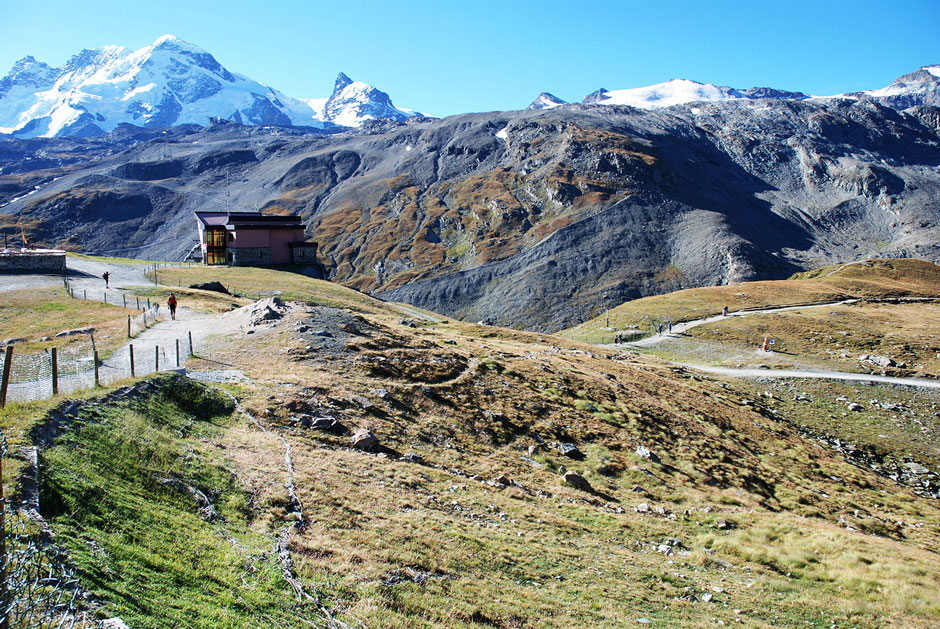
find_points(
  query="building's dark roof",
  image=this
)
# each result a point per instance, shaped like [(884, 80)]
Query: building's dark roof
[(248, 220)]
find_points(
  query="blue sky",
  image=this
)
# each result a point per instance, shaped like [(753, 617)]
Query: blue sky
[(451, 57)]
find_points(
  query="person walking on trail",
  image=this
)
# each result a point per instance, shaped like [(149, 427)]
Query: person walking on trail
[(724, 311), (106, 276), (660, 329), (171, 302), (669, 325)]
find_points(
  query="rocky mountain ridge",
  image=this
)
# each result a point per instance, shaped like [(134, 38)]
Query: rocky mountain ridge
[(531, 218), (921, 87)]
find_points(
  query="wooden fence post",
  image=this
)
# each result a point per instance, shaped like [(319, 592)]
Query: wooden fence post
[(138, 303), (177, 352), (5, 376), (191, 350), (5, 621), (128, 326), (97, 379), (106, 297), (156, 358), (124, 297), (131, 346), (55, 371), (85, 294)]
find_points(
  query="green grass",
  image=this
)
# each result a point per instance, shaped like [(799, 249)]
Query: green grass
[(140, 545)]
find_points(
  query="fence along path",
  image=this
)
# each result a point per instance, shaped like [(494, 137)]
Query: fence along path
[(158, 345)]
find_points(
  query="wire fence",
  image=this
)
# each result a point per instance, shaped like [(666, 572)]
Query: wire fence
[(79, 361), (37, 590)]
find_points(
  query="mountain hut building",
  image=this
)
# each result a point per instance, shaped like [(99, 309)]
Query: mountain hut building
[(253, 239)]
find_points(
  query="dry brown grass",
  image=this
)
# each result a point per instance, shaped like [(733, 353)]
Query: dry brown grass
[(560, 557), (874, 279)]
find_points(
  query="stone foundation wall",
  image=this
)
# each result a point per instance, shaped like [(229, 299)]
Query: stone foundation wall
[(46, 262), (304, 254), (251, 256)]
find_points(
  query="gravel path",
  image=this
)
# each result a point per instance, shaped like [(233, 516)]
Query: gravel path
[(679, 328), (822, 374)]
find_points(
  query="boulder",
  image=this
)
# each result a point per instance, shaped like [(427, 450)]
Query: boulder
[(571, 451), (213, 286), (324, 423), (413, 457), (364, 439), (577, 481)]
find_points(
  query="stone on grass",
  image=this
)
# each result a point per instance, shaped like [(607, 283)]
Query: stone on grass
[(577, 481), (570, 450), (365, 440), (323, 423), (413, 457), (213, 286), (645, 453)]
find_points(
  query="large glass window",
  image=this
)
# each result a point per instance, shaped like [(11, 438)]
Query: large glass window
[(215, 245)]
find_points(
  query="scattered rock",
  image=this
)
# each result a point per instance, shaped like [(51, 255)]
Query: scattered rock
[(881, 361), (383, 394), (645, 453), (408, 323), (75, 332), (571, 451), (364, 440), (642, 508), (725, 525), (855, 406), (915, 468), (534, 449), (213, 286), (324, 423), (113, 623), (350, 328), (707, 597), (577, 481), (6, 342), (503, 480), (361, 401), (413, 457)]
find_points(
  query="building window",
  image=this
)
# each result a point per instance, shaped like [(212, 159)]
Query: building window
[(215, 245)]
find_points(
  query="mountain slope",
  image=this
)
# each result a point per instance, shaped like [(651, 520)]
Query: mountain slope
[(533, 218)]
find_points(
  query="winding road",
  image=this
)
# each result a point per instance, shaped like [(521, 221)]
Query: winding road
[(737, 372)]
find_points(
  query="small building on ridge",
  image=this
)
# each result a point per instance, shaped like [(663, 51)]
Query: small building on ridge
[(253, 239)]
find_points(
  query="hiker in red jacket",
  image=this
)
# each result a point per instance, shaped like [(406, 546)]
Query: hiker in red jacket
[(171, 302)]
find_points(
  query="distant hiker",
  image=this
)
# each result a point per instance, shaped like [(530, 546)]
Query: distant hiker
[(106, 276), (670, 327), (171, 302), (660, 329), (724, 311)]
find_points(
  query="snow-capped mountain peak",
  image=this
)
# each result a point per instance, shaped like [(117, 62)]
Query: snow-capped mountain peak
[(166, 83), (920, 87), (353, 102), (681, 91), (546, 100)]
